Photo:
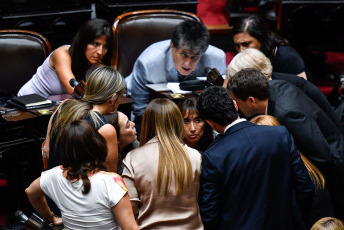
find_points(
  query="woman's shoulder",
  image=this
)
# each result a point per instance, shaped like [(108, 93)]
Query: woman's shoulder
[(193, 152), (53, 172), (113, 177), (61, 52), (286, 51), (144, 152)]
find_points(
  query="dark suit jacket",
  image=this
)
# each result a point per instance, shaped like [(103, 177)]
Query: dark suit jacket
[(253, 178), (313, 92), (314, 133)]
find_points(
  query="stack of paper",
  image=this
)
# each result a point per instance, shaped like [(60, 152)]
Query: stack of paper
[(174, 87)]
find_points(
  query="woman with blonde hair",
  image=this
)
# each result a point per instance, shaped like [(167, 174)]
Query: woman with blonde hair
[(104, 88), (249, 58), (328, 223), (162, 176), (321, 206)]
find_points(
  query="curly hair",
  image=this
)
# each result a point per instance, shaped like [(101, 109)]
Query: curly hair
[(216, 104)]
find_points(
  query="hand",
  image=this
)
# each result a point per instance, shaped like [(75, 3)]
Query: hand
[(56, 221)]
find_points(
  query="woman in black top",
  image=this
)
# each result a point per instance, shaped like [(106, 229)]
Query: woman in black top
[(252, 32)]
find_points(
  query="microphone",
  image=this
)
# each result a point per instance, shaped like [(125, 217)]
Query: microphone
[(73, 82), (213, 76), (34, 222), (79, 88)]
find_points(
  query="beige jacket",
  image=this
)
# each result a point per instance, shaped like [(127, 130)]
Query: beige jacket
[(155, 212)]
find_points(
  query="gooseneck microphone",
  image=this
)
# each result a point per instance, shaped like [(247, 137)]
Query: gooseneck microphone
[(73, 82), (34, 222), (78, 87)]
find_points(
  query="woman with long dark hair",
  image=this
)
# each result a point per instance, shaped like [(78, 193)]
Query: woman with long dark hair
[(91, 48), (126, 136), (252, 32)]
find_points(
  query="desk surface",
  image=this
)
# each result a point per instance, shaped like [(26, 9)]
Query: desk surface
[(18, 115)]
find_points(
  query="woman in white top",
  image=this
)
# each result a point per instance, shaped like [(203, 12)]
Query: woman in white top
[(88, 197), (162, 176), (91, 48)]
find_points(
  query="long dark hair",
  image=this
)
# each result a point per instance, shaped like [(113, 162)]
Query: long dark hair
[(113, 119), (189, 106), (83, 149), (256, 27), (89, 31)]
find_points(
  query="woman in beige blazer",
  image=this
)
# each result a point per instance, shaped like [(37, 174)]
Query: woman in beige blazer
[(162, 176)]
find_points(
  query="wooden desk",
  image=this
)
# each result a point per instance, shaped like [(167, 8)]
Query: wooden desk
[(19, 115)]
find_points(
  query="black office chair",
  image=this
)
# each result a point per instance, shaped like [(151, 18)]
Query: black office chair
[(21, 53)]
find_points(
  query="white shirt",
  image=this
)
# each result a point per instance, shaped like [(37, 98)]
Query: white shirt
[(84, 211), (234, 123)]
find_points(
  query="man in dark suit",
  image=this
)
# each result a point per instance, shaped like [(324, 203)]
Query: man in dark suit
[(252, 176), (314, 132)]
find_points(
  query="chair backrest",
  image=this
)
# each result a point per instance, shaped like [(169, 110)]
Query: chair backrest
[(21, 53), (135, 31)]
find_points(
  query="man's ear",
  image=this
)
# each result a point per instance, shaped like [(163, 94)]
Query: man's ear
[(235, 105), (171, 43), (211, 123), (252, 101)]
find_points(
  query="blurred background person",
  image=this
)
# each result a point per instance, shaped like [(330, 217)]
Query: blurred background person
[(252, 32), (162, 175)]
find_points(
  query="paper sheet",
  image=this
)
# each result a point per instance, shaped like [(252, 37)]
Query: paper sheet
[(174, 87)]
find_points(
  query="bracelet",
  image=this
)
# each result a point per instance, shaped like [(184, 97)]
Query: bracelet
[(49, 218)]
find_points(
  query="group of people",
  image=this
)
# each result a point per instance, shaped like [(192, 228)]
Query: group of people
[(263, 151)]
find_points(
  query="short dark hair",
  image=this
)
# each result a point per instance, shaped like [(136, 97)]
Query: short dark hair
[(216, 104), (257, 28), (191, 35), (89, 31), (83, 148), (249, 82)]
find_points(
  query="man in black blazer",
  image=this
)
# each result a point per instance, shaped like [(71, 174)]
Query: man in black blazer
[(252, 176), (314, 132)]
